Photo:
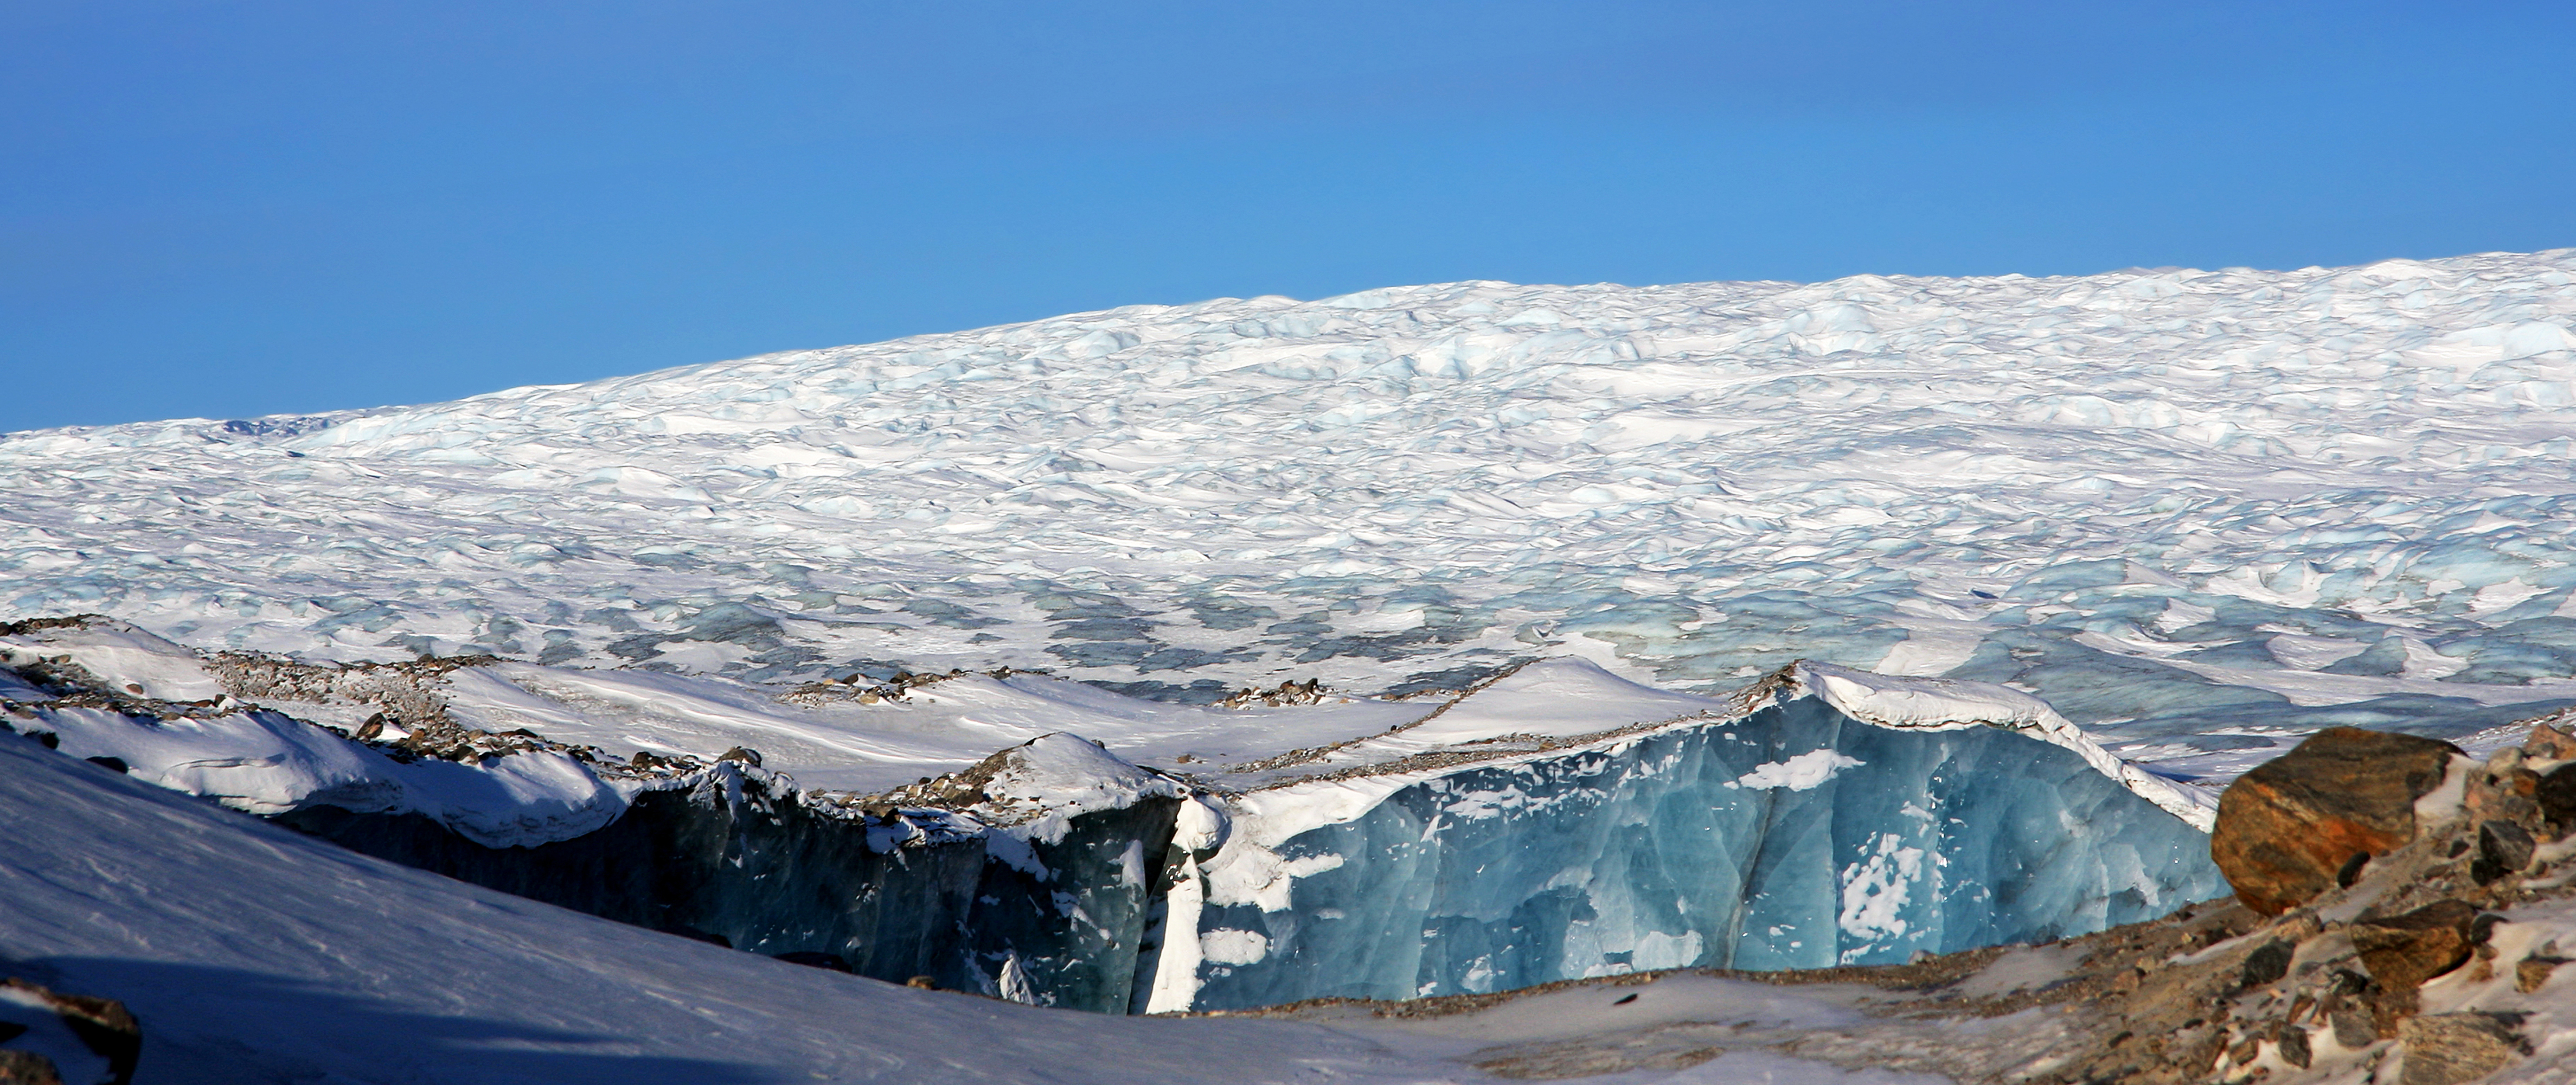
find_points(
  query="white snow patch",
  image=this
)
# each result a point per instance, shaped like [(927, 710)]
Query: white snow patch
[(126, 658), (1228, 946), (1943, 704), (1876, 889), (1800, 773)]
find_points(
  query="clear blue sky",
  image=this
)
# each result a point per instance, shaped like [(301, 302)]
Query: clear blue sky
[(231, 209)]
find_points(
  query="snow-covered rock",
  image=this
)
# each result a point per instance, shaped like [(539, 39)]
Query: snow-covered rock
[(114, 656)]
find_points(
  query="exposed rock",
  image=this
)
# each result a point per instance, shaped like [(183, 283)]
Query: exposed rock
[(65, 1038), (27, 1068), (2286, 829), (1286, 694), (2533, 972), (2504, 791), (2555, 793), (2353, 1027), (812, 959), (2293, 1046), (2503, 848), (2402, 952), (2268, 964), (1583, 1058), (2448, 1048), (2551, 743), (411, 695)]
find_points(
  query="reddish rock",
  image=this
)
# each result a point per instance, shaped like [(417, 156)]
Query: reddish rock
[(2550, 742), (2506, 791), (2402, 952), (2288, 828)]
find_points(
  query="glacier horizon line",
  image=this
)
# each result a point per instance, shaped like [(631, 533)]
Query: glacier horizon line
[(343, 414)]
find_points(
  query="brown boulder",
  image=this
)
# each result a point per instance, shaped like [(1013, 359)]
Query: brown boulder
[(2506, 791), (27, 1068), (2532, 973), (2402, 952), (2289, 828), (95, 1031), (2549, 742), (2449, 1048)]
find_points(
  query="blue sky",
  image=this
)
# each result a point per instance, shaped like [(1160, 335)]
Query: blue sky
[(232, 209)]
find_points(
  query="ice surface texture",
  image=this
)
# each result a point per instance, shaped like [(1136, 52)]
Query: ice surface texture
[(2171, 502), (1795, 837)]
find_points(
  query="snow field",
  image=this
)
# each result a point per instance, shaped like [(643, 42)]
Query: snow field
[(2201, 512)]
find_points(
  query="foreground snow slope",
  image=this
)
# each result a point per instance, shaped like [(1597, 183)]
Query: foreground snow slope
[(2204, 510), (252, 954)]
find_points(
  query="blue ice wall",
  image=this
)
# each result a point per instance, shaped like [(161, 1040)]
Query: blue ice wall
[(1796, 837)]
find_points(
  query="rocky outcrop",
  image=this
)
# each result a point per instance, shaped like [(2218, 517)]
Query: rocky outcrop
[(2306, 822), (51, 1038), (2450, 1048), (2403, 951)]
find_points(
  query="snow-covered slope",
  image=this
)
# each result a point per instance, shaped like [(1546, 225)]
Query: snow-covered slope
[(252, 954), (2203, 509)]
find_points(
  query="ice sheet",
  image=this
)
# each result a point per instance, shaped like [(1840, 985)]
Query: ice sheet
[(2169, 502)]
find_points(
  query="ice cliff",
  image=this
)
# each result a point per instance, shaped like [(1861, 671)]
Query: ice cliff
[(1838, 818), (1552, 822)]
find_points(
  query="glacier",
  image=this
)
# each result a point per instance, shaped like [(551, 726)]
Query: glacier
[(1790, 833), (1047, 914), (2201, 511), (1553, 822), (1433, 639)]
